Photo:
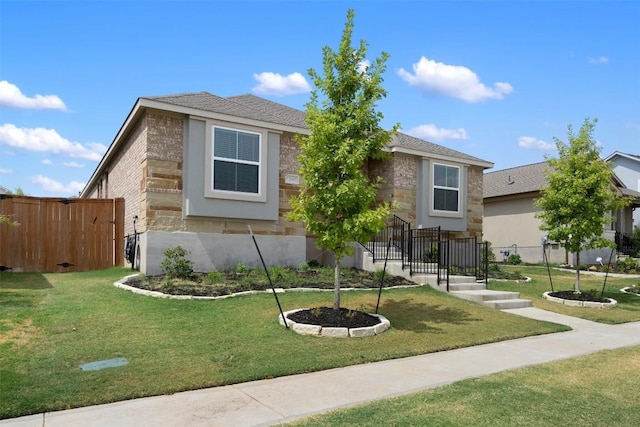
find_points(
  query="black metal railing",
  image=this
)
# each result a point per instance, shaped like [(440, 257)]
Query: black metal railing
[(394, 232), (430, 251), (627, 244), (423, 254)]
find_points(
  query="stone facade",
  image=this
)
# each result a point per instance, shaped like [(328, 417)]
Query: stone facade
[(147, 171)]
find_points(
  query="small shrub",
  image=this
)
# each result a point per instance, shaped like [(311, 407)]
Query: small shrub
[(627, 264), (175, 264), (314, 264), (514, 259), (487, 254), (583, 267), (381, 274), (276, 273), (213, 277), (303, 266), (430, 254), (241, 268)]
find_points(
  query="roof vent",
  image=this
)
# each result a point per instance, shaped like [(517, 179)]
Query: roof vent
[(510, 181)]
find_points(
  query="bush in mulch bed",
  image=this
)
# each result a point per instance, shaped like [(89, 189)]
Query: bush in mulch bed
[(591, 296)]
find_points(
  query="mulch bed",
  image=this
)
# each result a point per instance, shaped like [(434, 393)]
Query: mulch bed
[(578, 296), (327, 317)]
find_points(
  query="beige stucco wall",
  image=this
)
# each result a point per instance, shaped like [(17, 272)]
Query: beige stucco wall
[(511, 224)]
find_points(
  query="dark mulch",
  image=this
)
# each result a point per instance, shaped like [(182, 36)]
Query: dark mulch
[(328, 317), (226, 283), (578, 296)]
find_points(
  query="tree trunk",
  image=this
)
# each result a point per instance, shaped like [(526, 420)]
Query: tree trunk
[(576, 287), (336, 287)]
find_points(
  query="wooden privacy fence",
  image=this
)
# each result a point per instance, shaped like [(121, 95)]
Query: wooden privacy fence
[(58, 234)]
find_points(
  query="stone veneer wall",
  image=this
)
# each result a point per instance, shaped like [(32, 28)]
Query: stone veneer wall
[(474, 201), (161, 201), (399, 183), (161, 190), (122, 176)]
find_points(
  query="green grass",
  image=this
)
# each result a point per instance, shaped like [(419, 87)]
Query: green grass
[(50, 324), (628, 309), (595, 390)]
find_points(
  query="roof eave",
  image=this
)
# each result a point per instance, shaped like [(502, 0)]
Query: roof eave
[(192, 111), (117, 141), (405, 150), (145, 103)]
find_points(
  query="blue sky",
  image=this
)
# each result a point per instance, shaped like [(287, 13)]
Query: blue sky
[(494, 79)]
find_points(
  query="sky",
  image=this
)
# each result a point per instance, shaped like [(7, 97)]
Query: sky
[(499, 80)]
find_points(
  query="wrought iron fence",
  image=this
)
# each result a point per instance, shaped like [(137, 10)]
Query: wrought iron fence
[(430, 251), (423, 251), (395, 233), (627, 244)]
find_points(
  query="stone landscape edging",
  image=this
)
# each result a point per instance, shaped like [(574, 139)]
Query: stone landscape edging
[(626, 290), (122, 284), (319, 331), (576, 303)]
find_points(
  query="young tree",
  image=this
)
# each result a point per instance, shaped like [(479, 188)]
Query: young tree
[(579, 195), (337, 200)]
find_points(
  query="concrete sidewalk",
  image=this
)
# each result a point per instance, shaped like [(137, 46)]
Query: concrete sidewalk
[(269, 402)]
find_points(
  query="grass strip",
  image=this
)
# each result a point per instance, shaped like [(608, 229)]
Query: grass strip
[(594, 390), (50, 324), (628, 309)]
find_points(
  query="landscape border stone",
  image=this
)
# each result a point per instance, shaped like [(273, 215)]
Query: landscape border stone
[(626, 290), (319, 331), (122, 284), (576, 303)]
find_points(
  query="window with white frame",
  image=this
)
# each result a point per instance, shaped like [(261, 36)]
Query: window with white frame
[(446, 188), (236, 161)]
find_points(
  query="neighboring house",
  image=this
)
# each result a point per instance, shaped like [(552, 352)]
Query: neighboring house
[(196, 170), (627, 168), (510, 223), (4, 190)]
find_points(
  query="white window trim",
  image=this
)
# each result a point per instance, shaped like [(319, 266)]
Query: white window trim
[(209, 191), (432, 187)]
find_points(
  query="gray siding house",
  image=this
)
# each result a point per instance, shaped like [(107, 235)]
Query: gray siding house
[(197, 169), (627, 168), (510, 223)]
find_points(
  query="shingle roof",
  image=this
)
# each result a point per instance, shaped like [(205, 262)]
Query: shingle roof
[(413, 143), (256, 108), (518, 180), (245, 106)]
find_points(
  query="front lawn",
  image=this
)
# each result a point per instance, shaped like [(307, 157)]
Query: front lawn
[(51, 324), (595, 390), (628, 309)]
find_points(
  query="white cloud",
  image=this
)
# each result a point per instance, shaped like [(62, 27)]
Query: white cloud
[(48, 140), (46, 162), (53, 186), (452, 80), (599, 60), (276, 84), (73, 165), (431, 132), (633, 126), (11, 96), (6, 171), (529, 142)]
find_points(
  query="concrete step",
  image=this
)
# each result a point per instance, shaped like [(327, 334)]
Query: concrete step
[(467, 286), (509, 303), (485, 295)]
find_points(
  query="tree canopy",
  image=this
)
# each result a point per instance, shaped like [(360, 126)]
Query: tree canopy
[(337, 201), (576, 202)]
